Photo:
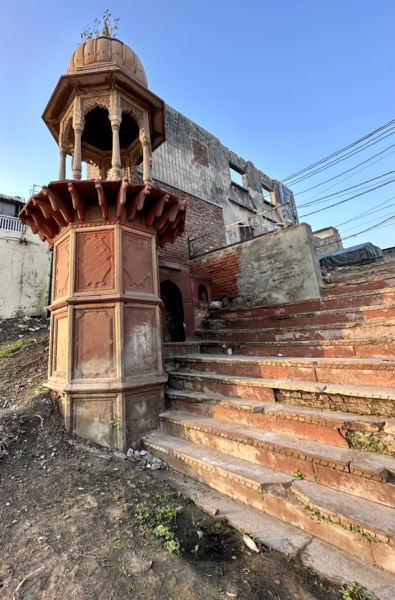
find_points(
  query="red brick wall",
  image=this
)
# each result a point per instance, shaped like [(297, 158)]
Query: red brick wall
[(201, 217), (223, 269)]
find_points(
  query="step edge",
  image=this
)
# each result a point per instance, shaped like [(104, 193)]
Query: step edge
[(252, 433)]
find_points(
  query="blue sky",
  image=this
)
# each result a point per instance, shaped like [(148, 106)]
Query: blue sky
[(283, 83)]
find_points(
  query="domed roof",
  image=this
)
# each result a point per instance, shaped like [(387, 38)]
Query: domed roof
[(107, 50)]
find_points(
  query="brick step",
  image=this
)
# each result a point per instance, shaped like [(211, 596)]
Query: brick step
[(326, 317), (347, 331), (358, 399), (320, 425), (362, 285), (334, 302), (379, 348), (358, 526), (354, 371), (352, 471)]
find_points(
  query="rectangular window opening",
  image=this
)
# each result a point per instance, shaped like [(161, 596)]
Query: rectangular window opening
[(236, 176)]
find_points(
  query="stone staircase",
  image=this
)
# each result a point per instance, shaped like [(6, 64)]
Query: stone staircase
[(291, 409)]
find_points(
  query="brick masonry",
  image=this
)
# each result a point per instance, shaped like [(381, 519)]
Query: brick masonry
[(200, 153), (223, 268), (201, 217)]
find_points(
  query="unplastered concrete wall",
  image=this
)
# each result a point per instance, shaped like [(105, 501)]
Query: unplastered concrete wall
[(24, 274), (196, 162), (278, 267)]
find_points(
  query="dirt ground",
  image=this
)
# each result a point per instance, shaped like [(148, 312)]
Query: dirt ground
[(91, 526)]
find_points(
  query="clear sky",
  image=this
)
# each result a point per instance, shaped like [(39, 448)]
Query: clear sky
[(282, 83)]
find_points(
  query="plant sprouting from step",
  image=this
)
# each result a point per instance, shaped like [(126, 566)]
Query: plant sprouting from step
[(355, 591), (363, 535), (297, 474)]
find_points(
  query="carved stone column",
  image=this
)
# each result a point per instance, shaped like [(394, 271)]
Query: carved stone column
[(63, 147), (145, 140), (78, 126), (116, 119)]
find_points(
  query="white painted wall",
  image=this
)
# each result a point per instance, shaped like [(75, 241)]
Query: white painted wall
[(24, 274)]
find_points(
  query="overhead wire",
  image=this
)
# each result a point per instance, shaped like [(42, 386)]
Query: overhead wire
[(371, 210), (348, 177), (347, 199), (345, 190), (345, 157), (348, 170), (338, 151), (370, 221), (369, 228)]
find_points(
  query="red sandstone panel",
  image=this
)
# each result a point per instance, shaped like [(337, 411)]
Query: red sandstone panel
[(60, 344), (142, 415), (92, 419), (136, 263), (62, 264), (95, 261), (94, 343), (140, 340)]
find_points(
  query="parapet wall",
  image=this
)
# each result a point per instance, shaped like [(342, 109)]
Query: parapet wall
[(278, 267)]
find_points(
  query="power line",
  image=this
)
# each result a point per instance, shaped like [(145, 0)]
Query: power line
[(372, 210), (348, 177), (370, 221), (347, 199), (348, 170), (338, 152), (369, 228), (345, 190), (345, 157)]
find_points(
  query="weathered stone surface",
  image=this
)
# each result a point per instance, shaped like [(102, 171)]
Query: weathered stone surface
[(137, 272), (62, 269), (94, 343), (95, 261), (140, 340)]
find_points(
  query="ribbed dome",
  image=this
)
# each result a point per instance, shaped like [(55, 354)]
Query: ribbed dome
[(105, 50)]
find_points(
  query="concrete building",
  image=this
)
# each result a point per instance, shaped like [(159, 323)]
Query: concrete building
[(25, 265), (194, 161), (327, 240)]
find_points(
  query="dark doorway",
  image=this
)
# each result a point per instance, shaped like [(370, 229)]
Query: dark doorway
[(172, 313)]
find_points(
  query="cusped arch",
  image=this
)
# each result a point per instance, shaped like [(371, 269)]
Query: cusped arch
[(137, 115), (89, 104)]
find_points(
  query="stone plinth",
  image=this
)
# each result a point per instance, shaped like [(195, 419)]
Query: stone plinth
[(106, 341)]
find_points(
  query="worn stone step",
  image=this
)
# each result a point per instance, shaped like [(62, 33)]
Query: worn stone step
[(359, 285), (331, 302), (355, 472), (372, 329), (257, 388), (326, 560), (330, 427), (323, 512), (328, 317), (378, 348), (356, 525), (354, 371)]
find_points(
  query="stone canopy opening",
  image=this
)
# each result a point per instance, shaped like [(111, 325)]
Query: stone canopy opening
[(98, 134)]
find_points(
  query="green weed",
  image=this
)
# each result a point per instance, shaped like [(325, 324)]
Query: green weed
[(12, 350), (364, 535), (297, 474), (115, 421), (355, 591)]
